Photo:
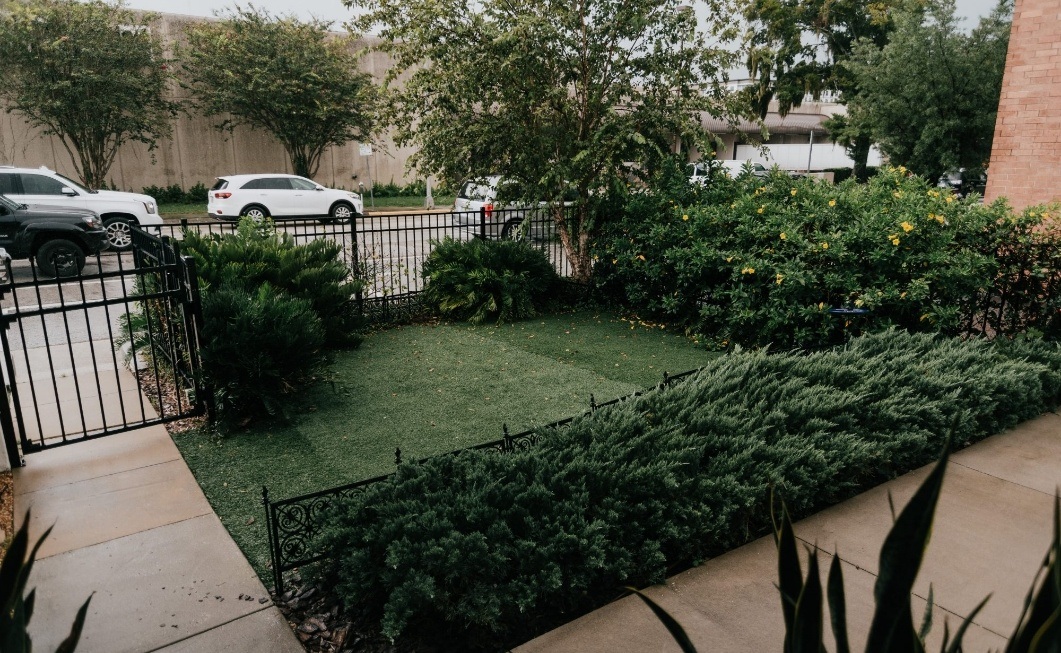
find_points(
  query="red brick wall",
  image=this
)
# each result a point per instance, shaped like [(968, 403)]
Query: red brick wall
[(1026, 152)]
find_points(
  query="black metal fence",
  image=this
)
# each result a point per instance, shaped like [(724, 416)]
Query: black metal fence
[(295, 524), (387, 251), (66, 379)]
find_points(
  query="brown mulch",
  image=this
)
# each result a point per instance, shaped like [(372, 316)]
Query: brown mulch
[(316, 617), (7, 511), (162, 386)]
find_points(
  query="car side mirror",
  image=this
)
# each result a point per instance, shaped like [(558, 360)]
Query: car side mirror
[(319, 188), (69, 192)]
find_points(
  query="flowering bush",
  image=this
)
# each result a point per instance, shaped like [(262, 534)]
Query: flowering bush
[(764, 261)]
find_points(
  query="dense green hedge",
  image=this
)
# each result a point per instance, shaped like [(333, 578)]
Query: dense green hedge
[(762, 261), (479, 280), (481, 550), (271, 307)]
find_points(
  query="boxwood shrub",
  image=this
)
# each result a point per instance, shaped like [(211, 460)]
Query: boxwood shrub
[(482, 551)]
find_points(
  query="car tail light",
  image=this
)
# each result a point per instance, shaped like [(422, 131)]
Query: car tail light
[(489, 209), (222, 196)]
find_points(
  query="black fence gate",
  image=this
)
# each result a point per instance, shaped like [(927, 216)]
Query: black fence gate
[(83, 354)]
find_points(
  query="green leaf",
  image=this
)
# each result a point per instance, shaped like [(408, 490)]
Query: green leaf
[(838, 605), (673, 627)]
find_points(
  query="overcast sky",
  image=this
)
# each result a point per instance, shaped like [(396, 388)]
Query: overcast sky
[(335, 11)]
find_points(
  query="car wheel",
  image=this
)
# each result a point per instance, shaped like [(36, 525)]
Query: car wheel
[(255, 212), (511, 231), (60, 258), (341, 212), (119, 233)]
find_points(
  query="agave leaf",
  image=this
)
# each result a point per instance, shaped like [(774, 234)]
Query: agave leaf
[(70, 643), (806, 633), (789, 571), (673, 627), (1041, 608), (892, 628), (926, 621), (956, 645), (838, 606)]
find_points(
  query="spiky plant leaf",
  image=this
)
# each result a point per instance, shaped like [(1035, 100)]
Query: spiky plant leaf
[(838, 606), (673, 627), (806, 633), (1039, 627)]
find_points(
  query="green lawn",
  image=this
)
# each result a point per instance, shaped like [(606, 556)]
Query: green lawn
[(428, 390)]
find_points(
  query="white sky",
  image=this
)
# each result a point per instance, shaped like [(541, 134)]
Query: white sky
[(335, 11)]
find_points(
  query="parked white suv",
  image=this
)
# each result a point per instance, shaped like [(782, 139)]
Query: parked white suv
[(276, 195), (36, 187), (502, 220)]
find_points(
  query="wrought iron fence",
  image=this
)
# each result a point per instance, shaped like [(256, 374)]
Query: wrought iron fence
[(387, 251), (66, 379), (295, 524)]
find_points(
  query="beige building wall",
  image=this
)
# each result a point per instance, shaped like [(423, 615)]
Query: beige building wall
[(196, 152)]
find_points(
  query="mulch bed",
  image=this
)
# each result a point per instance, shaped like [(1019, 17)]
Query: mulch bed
[(7, 511), (316, 617)]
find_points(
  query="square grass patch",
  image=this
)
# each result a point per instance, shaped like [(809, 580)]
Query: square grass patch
[(428, 390)]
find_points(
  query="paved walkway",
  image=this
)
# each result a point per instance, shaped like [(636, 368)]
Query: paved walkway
[(132, 525), (991, 532)]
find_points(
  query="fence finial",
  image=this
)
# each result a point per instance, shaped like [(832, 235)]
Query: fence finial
[(265, 495), (397, 457), (666, 379), (592, 402)]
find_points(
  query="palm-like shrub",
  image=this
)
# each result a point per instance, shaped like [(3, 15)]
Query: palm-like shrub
[(479, 280)]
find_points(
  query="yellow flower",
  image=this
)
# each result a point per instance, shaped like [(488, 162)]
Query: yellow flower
[(902, 170), (792, 192), (733, 205), (641, 257), (780, 278), (747, 271), (897, 193), (902, 295), (1044, 216), (832, 202), (821, 306), (685, 217), (859, 302), (760, 209), (729, 259), (907, 227), (933, 193), (825, 245), (949, 200), (895, 241), (614, 261), (784, 236)]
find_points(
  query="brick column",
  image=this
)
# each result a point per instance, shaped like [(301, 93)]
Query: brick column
[(1026, 151)]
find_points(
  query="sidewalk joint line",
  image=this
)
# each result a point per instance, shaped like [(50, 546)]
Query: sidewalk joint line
[(1004, 480), (263, 608)]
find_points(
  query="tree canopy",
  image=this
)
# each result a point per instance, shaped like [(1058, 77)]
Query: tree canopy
[(290, 78), (91, 73), (798, 48), (929, 97), (552, 93)]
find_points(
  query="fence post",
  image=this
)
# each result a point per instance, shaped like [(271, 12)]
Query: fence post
[(507, 439), (274, 545), (398, 457), (592, 403), (355, 266), (482, 223)]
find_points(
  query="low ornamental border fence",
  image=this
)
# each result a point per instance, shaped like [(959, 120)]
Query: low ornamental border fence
[(293, 524)]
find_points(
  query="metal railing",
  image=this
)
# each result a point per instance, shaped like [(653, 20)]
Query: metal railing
[(387, 251), (295, 523)]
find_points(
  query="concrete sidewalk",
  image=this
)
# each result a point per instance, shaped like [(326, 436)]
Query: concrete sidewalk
[(991, 532), (132, 525)]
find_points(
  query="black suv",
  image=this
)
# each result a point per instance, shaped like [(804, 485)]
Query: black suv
[(58, 238)]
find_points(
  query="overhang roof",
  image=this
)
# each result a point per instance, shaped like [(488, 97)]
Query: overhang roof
[(793, 123)]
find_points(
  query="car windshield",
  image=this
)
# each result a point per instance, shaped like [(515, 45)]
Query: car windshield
[(73, 184), (10, 204)]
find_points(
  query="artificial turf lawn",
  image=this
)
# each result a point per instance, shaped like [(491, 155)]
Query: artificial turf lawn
[(428, 390)]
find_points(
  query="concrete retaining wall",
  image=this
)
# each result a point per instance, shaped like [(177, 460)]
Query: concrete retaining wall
[(197, 152)]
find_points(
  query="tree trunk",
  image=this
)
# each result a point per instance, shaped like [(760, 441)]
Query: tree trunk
[(860, 154)]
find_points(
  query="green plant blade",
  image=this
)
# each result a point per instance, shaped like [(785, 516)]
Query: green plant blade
[(806, 633), (955, 645), (892, 628), (789, 571), (673, 627), (838, 606), (70, 643)]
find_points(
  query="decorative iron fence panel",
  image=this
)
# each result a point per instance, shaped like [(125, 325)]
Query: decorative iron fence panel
[(66, 379), (387, 250), (293, 524)]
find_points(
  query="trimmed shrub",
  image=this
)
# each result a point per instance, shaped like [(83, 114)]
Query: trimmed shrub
[(258, 347), (174, 194), (762, 262), (479, 280), (259, 254), (481, 550)]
